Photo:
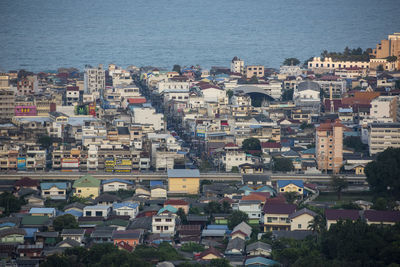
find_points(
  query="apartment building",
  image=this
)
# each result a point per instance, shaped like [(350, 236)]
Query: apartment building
[(163, 223), (382, 136), (388, 47), (384, 107), (7, 100), (94, 79), (255, 70), (327, 64), (237, 65), (27, 85), (329, 146)]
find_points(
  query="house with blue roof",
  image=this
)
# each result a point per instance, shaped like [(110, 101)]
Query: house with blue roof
[(56, 191), (50, 212), (74, 213), (116, 184), (297, 186), (126, 209), (260, 262), (247, 189)]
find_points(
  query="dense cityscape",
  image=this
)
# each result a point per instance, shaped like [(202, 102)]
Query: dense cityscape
[(236, 165)]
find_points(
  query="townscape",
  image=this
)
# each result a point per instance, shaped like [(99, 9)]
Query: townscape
[(230, 166)]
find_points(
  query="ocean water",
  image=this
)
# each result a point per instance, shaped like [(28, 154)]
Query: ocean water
[(46, 34)]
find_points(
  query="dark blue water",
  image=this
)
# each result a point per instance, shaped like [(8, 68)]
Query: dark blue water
[(46, 34)]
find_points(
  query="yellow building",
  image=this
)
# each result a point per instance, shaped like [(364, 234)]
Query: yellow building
[(184, 181), (87, 186), (300, 220), (290, 186), (276, 216)]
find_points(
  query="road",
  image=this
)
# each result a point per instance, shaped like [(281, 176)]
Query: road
[(358, 179)]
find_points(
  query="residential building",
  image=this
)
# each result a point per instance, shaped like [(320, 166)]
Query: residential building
[(333, 215), (382, 136), (290, 186), (381, 217), (87, 186), (94, 79), (300, 220), (130, 237), (96, 211), (54, 190), (148, 115), (184, 181), (50, 212), (12, 235), (384, 108), (307, 96), (7, 99), (178, 204), (113, 185), (388, 47), (252, 208), (73, 234), (254, 70), (329, 146), (27, 85), (126, 209), (276, 216), (237, 65), (164, 223), (259, 249)]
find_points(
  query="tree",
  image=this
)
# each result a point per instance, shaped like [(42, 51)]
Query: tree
[(291, 61), (317, 224), (384, 172), (181, 214), (391, 59), (192, 247), (287, 95), (177, 68), (10, 203), (253, 80), (220, 263), (45, 141), (235, 169), (67, 221), (355, 143), (229, 93), (338, 184), (212, 207), (282, 165), (237, 217), (251, 144), (226, 207), (291, 197)]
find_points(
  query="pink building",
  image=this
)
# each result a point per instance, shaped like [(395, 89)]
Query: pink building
[(25, 111)]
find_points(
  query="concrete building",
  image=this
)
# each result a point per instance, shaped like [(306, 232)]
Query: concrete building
[(94, 79), (237, 65), (388, 47), (383, 136), (329, 146), (147, 115), (7, 100), (163, 223), (307, 96), (384, 107), (27, 85), (327, 64), (254, 70)]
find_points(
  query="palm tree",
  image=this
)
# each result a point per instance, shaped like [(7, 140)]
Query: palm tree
[(317, 224), (338, 184)]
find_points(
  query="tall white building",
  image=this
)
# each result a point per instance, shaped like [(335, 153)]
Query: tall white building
[(237, 65), (147, 115), (95, 79)]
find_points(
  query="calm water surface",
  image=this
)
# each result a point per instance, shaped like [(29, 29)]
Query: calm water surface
[(46, 34)]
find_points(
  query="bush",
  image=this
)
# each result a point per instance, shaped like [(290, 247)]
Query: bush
[(192, 247)]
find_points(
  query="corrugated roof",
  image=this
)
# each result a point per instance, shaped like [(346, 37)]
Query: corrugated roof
[(183, 173)]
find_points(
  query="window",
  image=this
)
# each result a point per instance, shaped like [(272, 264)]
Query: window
[(99, 213), (157, 220), (88, 213), (299, 189), (166, 228), (158, 227), (168, 220), (299, 226), (183, 186)]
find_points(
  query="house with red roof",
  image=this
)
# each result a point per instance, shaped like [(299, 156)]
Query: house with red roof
[(209, 254), (276, 216), (333, 216), (26, 182), (381, 217)]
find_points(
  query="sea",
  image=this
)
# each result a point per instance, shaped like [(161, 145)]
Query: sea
[(39, 35)]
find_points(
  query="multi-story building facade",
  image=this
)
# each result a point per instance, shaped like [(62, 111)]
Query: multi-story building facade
[(328, 64), (27, 85), (388, 47), (163, 223), (382, 136), (254, 70), (329, 146), (7, 100), (94, 79), (237, 65), (383, 108)]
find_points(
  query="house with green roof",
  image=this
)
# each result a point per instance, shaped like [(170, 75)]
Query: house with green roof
[(87, 186)]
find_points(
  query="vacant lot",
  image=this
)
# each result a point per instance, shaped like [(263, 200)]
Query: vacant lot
[(346, 197)]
